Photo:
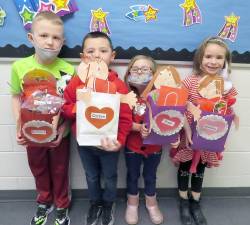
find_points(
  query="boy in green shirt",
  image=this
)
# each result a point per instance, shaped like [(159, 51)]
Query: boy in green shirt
[(49, 165)]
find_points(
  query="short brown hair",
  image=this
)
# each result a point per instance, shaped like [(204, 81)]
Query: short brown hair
[(47, 15), (97, 34), (201, 50)]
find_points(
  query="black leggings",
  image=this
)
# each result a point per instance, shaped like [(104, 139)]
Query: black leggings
[(196, 178)]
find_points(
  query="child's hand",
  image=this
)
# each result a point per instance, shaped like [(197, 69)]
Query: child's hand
[(20, 140), (59, 138), (176, 144), (144, 131), (236, 122), (110, 145)]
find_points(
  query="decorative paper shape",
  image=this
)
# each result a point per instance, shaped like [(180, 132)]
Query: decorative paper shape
[(169, 96), (165, 121), (129, 99), (39, 131), (40, 108), (210, 132), (89, 130), (151, 13), (230, 28), (211, 86), (99, 22), (142, 13), (99, 117), (27, 9), (2, 16), (167, 76), (191, 13)]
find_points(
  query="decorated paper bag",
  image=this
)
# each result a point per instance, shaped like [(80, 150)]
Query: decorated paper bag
[(40, 108), (210, 131), (172, 96), (97, 116), (164, 123)]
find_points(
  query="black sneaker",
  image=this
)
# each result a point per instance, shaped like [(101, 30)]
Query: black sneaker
[(62, 217), (41, 214), (94, 213), (108, 212)]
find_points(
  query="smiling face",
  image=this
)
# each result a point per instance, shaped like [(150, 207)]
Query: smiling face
[(98, 48), (213, 59)]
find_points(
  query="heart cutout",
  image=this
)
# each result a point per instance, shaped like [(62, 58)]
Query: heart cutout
[(212, 127), (168, 122), (38, 131), (99, 117)]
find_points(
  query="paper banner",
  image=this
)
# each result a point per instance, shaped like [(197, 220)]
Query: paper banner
[(142, 12), (2, 16), (98, 21), (230, 28), (191, 13), (27, 9)]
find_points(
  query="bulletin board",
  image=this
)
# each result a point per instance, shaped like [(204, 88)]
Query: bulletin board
[(167, 30)]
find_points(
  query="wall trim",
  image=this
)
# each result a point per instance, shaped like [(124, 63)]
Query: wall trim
[(30, 195)]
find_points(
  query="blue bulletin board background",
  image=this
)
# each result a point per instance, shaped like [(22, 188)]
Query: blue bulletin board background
[(165, 38)]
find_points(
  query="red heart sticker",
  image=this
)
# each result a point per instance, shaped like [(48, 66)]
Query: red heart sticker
[(168, 122)]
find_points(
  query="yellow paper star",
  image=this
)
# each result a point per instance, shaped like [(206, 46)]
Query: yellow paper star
[(61, 4), (188, 5), (99, 14), (232, 19), (150, 14)]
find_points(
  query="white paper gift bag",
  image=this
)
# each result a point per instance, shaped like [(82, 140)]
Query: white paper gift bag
[(97, 116)]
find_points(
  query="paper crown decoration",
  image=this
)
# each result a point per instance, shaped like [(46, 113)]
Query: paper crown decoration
[(28, 9)]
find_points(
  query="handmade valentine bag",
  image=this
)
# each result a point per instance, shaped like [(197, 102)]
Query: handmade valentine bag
[(164, 122), (40, 108), (97, 113), (210, 131)]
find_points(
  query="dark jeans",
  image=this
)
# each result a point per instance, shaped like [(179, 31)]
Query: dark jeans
[(97, 163), (150, 165)]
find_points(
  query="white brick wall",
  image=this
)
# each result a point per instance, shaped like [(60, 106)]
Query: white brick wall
[(234, 172)]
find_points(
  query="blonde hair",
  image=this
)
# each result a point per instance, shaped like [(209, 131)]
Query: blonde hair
[(46, 15), (198, 57), (133, 60)]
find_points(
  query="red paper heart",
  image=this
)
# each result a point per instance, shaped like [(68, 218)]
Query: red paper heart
[(166, 123), (99, 117), (38, 133)]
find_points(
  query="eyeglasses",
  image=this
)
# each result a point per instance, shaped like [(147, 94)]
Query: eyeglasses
[(143, 69)]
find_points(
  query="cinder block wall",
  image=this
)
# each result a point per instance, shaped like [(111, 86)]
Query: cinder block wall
[(234, 171)]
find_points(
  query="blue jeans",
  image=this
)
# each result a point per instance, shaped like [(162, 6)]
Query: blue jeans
[(150, 165), (97, 163)]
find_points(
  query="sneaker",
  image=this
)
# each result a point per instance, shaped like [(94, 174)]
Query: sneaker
[(41, 214), (62, 217), (94, 213), (108, 212)]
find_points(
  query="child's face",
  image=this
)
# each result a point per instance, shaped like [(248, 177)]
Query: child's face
[(98, 48), (213, 59), (47, 35), (141, 66)]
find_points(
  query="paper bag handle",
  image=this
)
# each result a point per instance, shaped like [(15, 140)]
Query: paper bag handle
[(171, 93)]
